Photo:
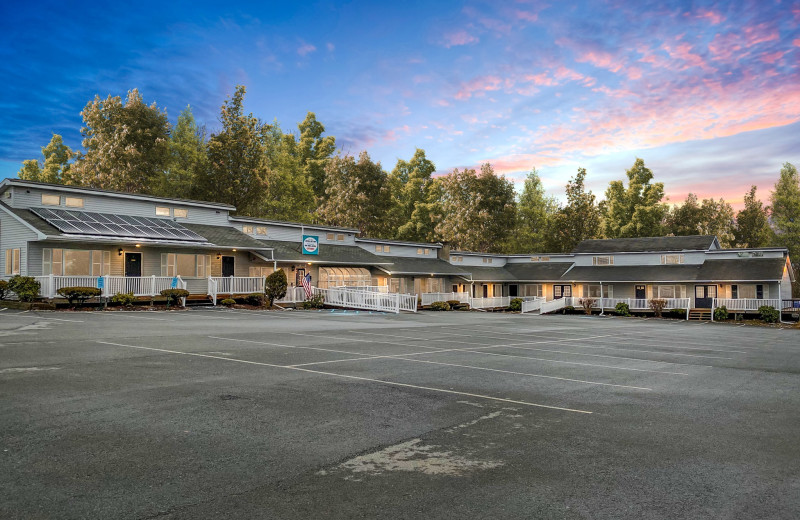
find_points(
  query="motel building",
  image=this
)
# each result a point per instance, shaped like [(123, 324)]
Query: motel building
[(73, 236)]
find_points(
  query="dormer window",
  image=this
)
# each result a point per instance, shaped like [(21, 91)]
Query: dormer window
[(181, 213), (602, 260), (487, 260), (51, 200), (331, 236), (261, 230), (163, 211), (671, 259), (73, 202), (423, 251), (247, 230), (540, 259), (382, 248), (340, 237)]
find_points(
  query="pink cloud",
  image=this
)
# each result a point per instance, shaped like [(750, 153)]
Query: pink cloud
[(601, 60), (459, 38), (526, 16), (305, 49), (683, 52), (707, 14), (772, 57), (796, 42), (479, 85)]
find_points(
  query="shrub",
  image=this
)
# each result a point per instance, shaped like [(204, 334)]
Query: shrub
[(124, 299), (256, 299), (453, 303), (3, 289), (678, 313), (79, 295), (461, 307), (658, 306), (228, 302), (316, 302), (275, 286), (769, 313), (174, 296), (622, 309), (721, 313), (440, 306), (25, 287), (515, 304), (587, 304), (568, 309)]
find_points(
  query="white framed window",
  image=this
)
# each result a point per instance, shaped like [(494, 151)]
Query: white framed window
[(76, 262), (261, 271), (185, 265), (382, 248), (51, 200), (597, 291), (669, 291), (672, 259), (163, 211), (532, 290), (540, 259), (261, 230), (487, 260), (73, 202), (331, 236), (180, 213), (340, 237), (427, 251), (749, 291), (12, 261), (247, 229), (602, 260)]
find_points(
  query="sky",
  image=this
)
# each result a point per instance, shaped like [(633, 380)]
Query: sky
[(707, 93)]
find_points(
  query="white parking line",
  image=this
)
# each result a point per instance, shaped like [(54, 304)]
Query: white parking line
[(58, 319), (356, 378), (364, 356)]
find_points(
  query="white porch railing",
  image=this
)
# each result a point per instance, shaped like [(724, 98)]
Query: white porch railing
[(138, 285), (429, 298), (489, 303), (532, 305), (745, 304), (293, 295), (553, 305), (355, 298)]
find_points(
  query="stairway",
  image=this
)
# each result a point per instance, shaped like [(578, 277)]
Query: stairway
[(196, 300), (700, 314)]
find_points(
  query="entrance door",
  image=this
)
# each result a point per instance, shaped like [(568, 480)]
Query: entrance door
[(133, 264), (298, 277), (703, 296), (485, 291), (513, 290), (227, 266), (562, 291), (641, 292)]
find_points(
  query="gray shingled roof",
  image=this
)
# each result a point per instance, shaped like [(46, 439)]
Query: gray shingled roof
[(412, 266), (328, 253), (742, 269), (630, 245), (734, 269), (538, 271), (224, 236), (488, 274)]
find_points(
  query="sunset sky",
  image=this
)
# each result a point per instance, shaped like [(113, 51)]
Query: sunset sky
[(707, 93)]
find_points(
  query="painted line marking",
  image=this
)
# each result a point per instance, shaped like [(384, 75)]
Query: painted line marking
[(364, 356), (356, 378), (58, 319)]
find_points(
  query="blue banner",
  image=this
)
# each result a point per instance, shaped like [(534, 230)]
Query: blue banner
[(310, 245)]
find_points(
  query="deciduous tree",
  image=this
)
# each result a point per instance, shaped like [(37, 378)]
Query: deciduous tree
[(752, 223), (314, 151), (635, 211), (785, 206), (534, 211), (55, 168), (578, 220), (412, 183)]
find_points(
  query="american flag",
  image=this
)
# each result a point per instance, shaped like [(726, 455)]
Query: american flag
[(307, 286)]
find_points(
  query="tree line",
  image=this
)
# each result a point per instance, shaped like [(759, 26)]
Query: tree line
[(300, 176)]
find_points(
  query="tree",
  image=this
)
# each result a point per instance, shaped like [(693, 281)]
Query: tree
[(357, 195), (127, 145), (785, 206), (187, 156), (534, 211), (710, 217), (275, 286), (288, 193), (752, 223), (686, 219), (578, 220), (314, 152), (477, 211), (411, 183), (237, 168), (635, 211), (56, 167)]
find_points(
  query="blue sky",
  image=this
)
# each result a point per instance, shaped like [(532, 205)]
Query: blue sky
[(708, 93)]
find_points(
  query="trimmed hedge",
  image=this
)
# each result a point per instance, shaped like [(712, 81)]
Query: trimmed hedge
[(124, 299), (622, 309), (515, 304), (453, 303), (769, 313), (440, 306), (721, 313), (228, 302), (256, 299), (79, 295), (174, 296), (25, 287), (462, 307)]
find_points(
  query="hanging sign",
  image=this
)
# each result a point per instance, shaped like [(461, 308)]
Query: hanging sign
[(310, 245)]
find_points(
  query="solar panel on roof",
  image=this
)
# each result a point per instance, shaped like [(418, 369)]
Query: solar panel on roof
[(106, 224)]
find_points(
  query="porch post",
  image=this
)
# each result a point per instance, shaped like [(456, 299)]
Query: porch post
[(50, 285), (601, 299), (780, 303)]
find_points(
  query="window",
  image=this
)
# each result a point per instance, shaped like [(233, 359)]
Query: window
[(602, 260), (73, 202), (423, 251), (12, 261), (340, 237), (185, 265), (532, 290), (51, 200), (261, 230), (181, 213), (247, 229), (671, 259), (487, 260), (670, 291), (76, 262), (162, 211), (382, 248), (597, 291), (331, 236), (540, 259), (749, 291), (419, 251), (456, 258), (261, 271)]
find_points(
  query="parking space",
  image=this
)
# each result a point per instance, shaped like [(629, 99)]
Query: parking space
[(236, 413)]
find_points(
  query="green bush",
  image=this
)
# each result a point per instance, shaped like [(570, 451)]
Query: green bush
[(79, 295), (461, 307), (228, 302), (453, 303), (256, 299), (174, 296), (678, 313), (769, 313), (316, 302), (568, 309), (124, 299), (721, 313), (440, 306), (3, 289), (622, 309), (515, 304), (25, 287), (275, 286)]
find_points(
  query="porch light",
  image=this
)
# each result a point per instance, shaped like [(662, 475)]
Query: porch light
[(233, 250), (138, 245), (219, 255), (119, 251), (309, 263)]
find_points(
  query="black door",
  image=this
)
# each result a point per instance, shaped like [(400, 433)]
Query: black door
[(133, 264), (485, 291), (703, 296), (227, 266), (513, 290), (641, 292), (562, 291)]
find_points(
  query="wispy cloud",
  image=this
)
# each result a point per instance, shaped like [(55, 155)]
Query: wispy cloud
[(305, 49), (457, 38)]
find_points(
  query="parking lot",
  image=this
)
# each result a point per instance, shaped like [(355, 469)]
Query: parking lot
[(216, 413)]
